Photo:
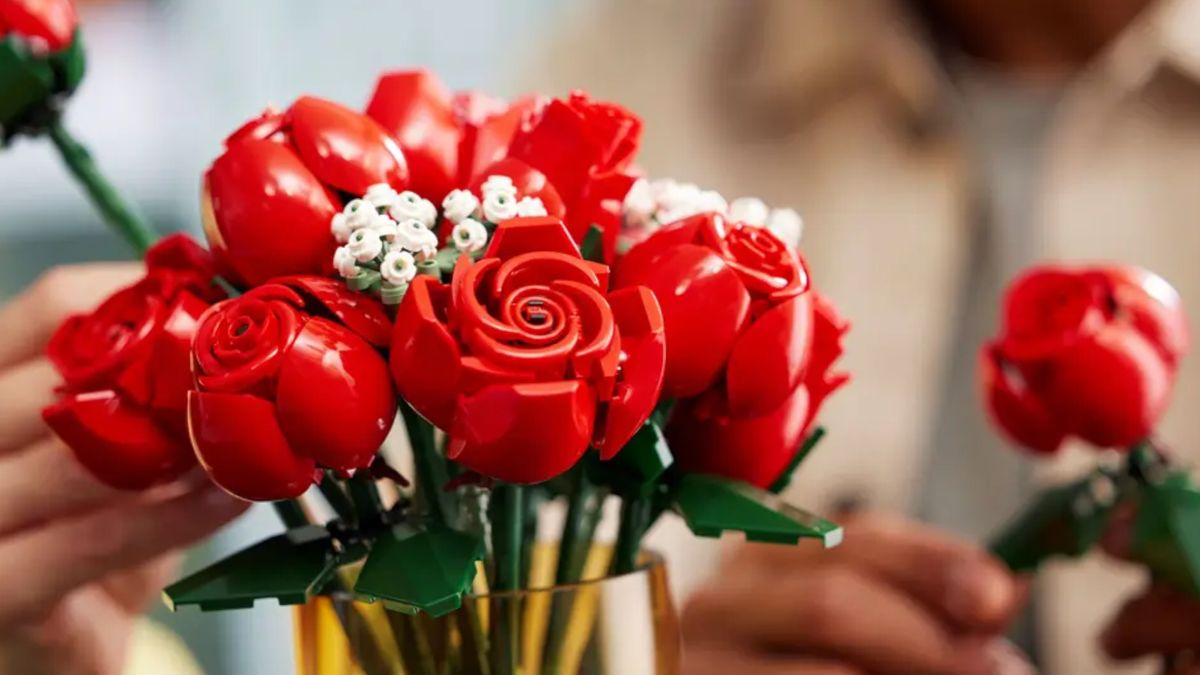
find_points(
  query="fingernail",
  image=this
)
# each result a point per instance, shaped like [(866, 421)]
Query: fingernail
[(975, 591)]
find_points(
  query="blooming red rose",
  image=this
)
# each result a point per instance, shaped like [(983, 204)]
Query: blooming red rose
[(525, 359), (269, 198), (757, 449), (1089, 352), (49, 24), (125, 369), (735, 303), (446, 137), (280, 391), (584, 149)]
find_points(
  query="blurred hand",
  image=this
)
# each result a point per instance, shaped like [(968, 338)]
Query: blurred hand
[(1159, 621), (895, 597), (78, 560)]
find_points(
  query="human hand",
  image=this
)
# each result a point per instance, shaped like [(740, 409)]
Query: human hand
[(79, 560), (895, 597)]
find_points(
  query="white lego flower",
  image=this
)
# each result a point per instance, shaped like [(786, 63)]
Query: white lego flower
[(469, 236), (459, 205), (380, 195), (364, 244), (340, 227), (531, 206), (640, 198), (498, 184), (386, 228), (710, 200), (344, 262), (787, 225), (413, 236), (398, 267), (359, 213), (409, 204), (749, 210), (499, 206)]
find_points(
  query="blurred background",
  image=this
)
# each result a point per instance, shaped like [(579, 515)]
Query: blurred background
[(167, 81)]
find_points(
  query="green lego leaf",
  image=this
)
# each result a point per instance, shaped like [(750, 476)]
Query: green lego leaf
[(26, 80), (1166, 535), (1066, 520), (711, 505), (290, 568), (592, 246), (70, 64), (636, 469), (806, 448), (420, 570)]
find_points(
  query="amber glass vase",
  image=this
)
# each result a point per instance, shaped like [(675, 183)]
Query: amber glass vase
[(605, 625)]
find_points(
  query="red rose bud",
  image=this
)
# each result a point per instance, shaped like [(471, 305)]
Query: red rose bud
[(126, 372), (757, 449), (446, 137), (269, 199), (525, 359), (737, 312), (585, 150), (281, 392), (41, 63), (46, 25), (1089, 352)]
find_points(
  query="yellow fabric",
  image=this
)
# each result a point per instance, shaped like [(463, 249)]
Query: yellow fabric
[(154, 650)]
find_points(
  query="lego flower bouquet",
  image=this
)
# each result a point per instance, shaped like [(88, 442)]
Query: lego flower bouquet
[(549, 330)]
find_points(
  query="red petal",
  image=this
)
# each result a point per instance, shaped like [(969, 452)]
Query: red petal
[(118, 442), (644, 353), (51, 20), (704, 307), (528, 235), (237, 439), (425, 358), (1153, 306), (343, 148), (768, 360), (1046, 310), (523, 433), (267, 215), (488, 130), (1015, 409), (171, 358), (642, 259), (334, 398), (416, 108), (179, 252), (360, 313)]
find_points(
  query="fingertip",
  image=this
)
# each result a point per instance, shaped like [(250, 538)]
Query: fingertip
[(981, 592)]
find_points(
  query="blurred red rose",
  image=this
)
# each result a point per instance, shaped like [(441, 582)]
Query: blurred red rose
[(48, 24)]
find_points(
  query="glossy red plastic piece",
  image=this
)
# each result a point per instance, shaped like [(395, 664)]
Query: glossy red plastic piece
[(281, 392), (51, 21), (737, 310), (528, 181), (757, 449), (1084, 352), (524, 359), (126, 371), (269, 198)]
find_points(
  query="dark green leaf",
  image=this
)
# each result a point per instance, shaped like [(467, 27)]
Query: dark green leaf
[(428, 570), (711, 505), (1166, 535)]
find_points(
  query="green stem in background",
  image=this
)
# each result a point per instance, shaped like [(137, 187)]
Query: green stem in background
[(584, 508), (364, 494), (636, 513), (432, 472), (337, 499), (291, 513), (112, 206), (507, 511)]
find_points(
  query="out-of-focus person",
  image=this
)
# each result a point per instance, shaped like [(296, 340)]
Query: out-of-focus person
[(934, 147)]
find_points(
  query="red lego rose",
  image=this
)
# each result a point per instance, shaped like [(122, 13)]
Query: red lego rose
[(737, 312), (757, 449), (584, 149), (125, 369), (446, 137), (1088, 352), (280, 391), (49, 25), (269, 198), (525, 359)]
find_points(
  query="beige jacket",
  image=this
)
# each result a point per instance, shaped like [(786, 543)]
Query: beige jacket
[(833, 107)]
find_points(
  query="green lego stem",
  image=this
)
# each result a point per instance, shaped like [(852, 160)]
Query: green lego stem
[(637, 511), (583, 515), (291, 513), (113, 208), (364, 494), (507, 515), (336, 496), (432, 472)]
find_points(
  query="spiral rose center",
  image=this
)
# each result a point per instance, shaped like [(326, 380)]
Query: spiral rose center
[(537, 312)]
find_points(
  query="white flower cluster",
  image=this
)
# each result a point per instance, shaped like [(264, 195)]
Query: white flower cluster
[(471, 215), (385, 233), (651, 204)]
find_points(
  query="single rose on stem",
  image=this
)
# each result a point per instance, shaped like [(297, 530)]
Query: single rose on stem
[(282, 392), (736, 306), (126, 371), (525, 358), (41, 63), (1083, 352), (758, 448), (269, 199)]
